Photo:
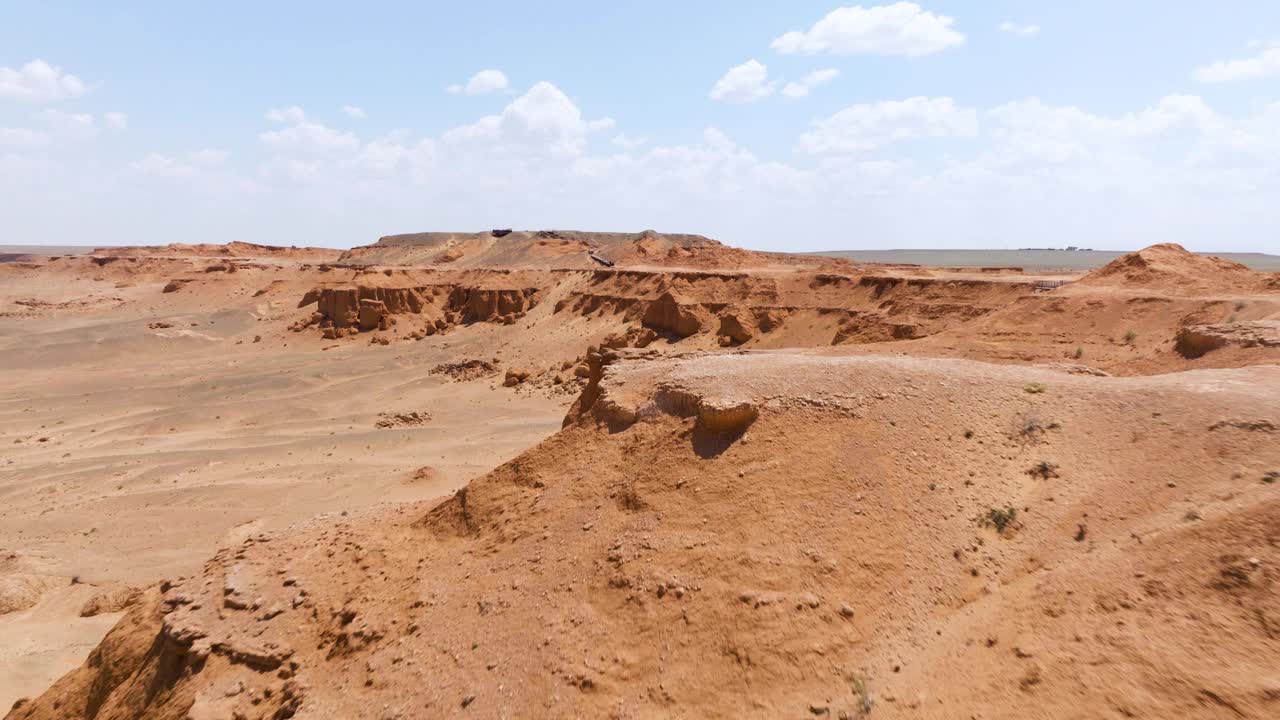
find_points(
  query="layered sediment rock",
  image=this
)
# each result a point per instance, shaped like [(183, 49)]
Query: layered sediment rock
[(370, 307), (1196, 340)]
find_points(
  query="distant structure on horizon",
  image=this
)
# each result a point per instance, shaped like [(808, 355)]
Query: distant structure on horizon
[(1069, 248)]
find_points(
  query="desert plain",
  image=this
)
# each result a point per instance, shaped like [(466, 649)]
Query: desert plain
[(632, 475)]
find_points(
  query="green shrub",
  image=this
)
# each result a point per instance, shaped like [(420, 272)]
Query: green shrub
[(1000, 519)]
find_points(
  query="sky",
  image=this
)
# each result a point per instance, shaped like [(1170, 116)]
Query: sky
[(789, 126)]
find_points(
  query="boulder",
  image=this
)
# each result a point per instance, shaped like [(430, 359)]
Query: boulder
[(670, 314), (371, 314)]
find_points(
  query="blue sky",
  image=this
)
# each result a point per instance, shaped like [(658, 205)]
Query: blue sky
[(787, 126)]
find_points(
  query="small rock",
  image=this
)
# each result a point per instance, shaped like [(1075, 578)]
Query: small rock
[(846, 611)]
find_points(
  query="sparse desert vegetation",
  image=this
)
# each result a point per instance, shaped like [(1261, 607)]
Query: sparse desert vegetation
[(464, 473)]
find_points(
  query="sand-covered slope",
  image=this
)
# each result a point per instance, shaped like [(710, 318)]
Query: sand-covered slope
[(687, 545), (769, 535), (234, 249), (1169, 267), (1128, 318)]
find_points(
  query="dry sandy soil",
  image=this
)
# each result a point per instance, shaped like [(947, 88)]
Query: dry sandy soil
[(297, 483)]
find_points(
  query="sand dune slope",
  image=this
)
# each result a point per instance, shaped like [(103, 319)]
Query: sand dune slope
[(769, 535)]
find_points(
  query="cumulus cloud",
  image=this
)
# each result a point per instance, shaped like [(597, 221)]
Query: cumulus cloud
[(859, 128), (39, 82), (208, 157), (291, 114), (1264, 64), (354, 111), (1174, 168), (160, 165), (1065, 121), (902, 28), (115, 120), (306, 136), (192, 174), (1018, 29), (802, 87), (628, 142), (22, 138), (543, 118), (482, 83), (604, 123), (55, 127), (744, 83), (71, 126)]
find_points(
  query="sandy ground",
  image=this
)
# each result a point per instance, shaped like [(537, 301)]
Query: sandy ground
[(128, 454), (776, 493)]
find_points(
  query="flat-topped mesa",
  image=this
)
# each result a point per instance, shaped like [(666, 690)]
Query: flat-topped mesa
[(565, 249)]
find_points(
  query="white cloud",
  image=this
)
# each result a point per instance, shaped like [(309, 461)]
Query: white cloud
[(56, 126), (803, 86), (291, 114), (39, 82), (208, 157), (859, 128), (627, 142), (604, 123), (1068, 122), (903, 28), (1018, 29), (1264, 64), (22, 138), (158, 165), (1021, 173), (115, 121), (1176, 129), (542, 118), (71, 126), (354, 111), (482, 83), (744, 83), (305, 136), (714, 169), (204, 171)]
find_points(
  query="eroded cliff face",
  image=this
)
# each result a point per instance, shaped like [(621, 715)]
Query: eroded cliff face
[(360, 308), (816, 309), (825, 517)]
